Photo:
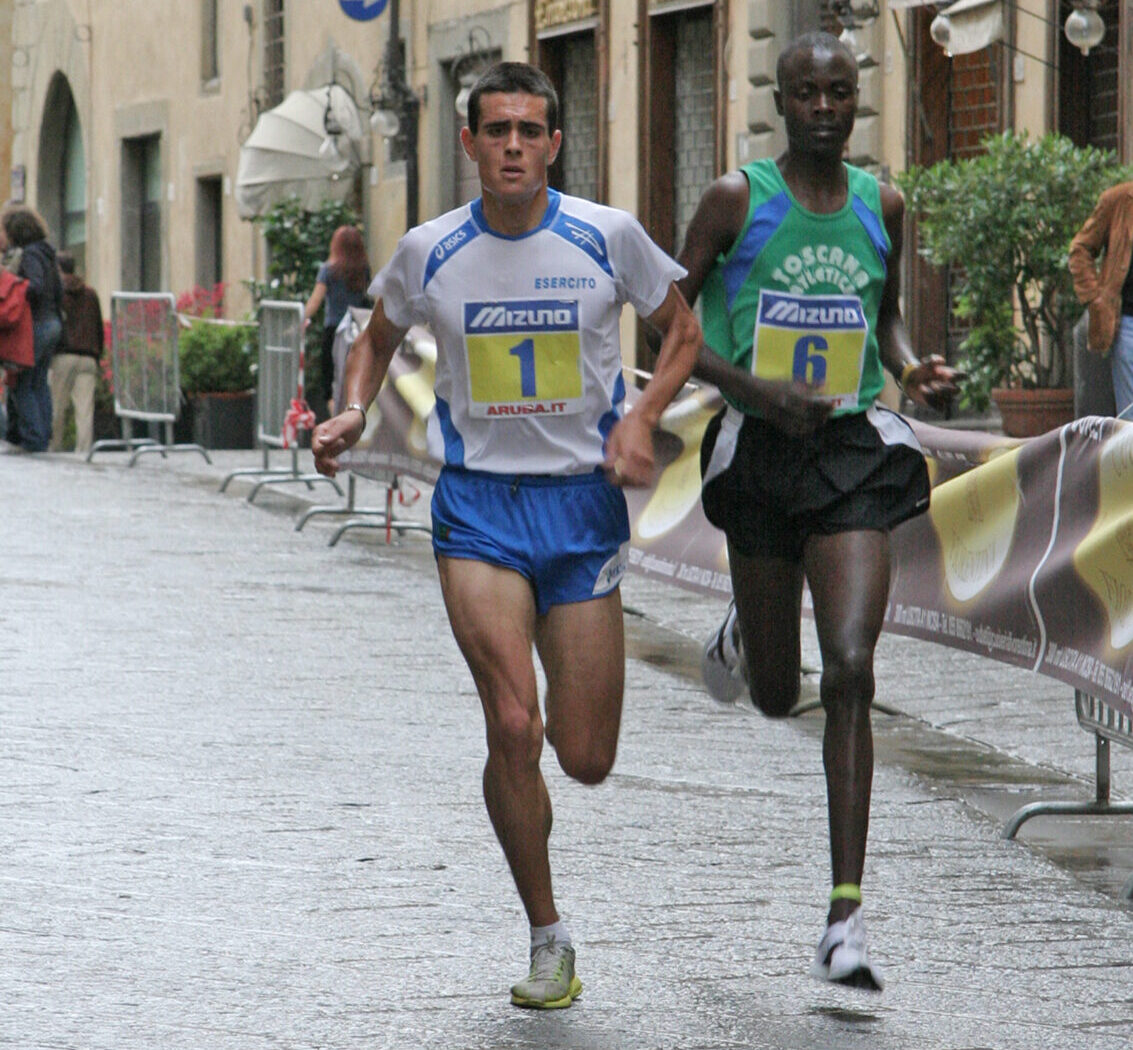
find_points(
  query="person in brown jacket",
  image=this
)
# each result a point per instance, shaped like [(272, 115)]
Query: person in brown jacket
[(74, 369), (1108, 292)]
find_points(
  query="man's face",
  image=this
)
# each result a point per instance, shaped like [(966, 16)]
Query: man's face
[(512, 147), (818, 99)]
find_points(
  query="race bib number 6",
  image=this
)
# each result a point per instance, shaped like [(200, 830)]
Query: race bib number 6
[(523, 357), (818, 339)]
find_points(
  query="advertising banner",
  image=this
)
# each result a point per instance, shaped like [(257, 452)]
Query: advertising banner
[(1025, 556)]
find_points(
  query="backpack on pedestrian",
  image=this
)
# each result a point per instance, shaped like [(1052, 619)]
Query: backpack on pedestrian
[(17, 349)]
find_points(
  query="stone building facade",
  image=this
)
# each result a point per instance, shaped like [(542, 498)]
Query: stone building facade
[(128, 116)]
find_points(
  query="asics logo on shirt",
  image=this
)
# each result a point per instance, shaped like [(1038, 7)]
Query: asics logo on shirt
[(586, 237), (450, 242)]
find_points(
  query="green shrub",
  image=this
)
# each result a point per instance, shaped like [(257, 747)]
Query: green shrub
[(1005, 219), (217, 358), (298, 241)]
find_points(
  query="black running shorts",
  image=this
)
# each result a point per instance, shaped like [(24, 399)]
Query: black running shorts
[(768, 491)]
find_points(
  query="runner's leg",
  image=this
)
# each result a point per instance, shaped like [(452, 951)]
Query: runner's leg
[(768, 595), (582, 648), (848, 575), (492, 613)]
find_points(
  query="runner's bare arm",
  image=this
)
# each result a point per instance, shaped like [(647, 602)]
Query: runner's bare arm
[(719, 217), (366, 367), (629, 448)]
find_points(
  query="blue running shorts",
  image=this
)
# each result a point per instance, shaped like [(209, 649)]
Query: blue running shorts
[(568, 535)]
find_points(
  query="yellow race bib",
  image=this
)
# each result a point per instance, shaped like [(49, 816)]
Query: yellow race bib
[(819, 339), (523, 357)]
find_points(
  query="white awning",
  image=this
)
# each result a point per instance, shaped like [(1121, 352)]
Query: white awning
[(968, 25), (285, 155), (896, 5)]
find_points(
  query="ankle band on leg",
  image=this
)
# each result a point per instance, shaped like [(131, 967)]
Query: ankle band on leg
[(846, 891)]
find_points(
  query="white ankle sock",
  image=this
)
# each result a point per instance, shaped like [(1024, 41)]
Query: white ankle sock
[(540, 935)]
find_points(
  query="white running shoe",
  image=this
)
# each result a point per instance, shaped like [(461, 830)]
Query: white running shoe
[(551, 984), (723, 667), (843, 958)]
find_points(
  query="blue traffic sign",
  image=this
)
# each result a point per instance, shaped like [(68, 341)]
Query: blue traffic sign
[(363, 10)]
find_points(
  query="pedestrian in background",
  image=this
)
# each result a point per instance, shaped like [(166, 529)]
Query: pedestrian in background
[(74, 369), (1108, 293), (340, 284), (26, 252)]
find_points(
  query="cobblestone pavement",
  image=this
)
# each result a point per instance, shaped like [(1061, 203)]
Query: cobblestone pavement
[(239, 792)]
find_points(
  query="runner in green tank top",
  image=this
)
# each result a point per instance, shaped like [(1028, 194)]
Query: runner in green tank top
[(798, 261)]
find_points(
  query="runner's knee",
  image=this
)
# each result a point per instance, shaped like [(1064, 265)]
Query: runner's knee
[(587, 764), (775, 700), (847, 678), (585, 752), (515, 734)]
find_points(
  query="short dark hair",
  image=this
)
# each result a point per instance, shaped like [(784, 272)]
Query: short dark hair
[(66, 261), (23, 225), (817, 41), (511, 78)]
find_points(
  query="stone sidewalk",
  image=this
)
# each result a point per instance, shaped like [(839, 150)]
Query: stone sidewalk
[(239, 786)]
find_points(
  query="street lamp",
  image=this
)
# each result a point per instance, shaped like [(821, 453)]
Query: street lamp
[(469, 64), (854, 15), (1084, 26)]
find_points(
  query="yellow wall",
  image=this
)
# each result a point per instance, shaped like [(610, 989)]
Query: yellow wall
[(129, 75), (6, 63), (1034, 37)]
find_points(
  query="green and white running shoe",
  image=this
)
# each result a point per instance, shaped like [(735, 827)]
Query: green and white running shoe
[(551, 984)]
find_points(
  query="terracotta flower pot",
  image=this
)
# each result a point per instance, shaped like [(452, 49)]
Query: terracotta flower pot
[(1028, 413)]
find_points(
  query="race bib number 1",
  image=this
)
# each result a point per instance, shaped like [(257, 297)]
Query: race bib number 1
[(523, 357), (817, 339)]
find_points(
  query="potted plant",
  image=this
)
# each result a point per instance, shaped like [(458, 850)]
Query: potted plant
[(217, 369), (1004, 220)]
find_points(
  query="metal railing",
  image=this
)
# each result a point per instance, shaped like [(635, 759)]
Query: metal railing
[(358, 517), (279, 396), (1107, 724), (147, 381)]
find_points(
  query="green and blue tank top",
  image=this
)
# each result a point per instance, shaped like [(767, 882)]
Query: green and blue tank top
[(797, 295)]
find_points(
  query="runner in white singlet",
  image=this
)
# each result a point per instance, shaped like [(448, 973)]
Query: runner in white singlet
[(523, 290)]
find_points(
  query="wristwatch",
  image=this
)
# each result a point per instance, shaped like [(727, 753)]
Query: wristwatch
[(354, 404)]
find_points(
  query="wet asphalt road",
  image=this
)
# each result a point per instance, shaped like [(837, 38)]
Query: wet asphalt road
[(239, 792)]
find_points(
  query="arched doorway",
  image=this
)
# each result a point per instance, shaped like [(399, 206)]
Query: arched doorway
[(62, 190)]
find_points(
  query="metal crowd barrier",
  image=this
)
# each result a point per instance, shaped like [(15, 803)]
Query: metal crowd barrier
[(360, 517), (147, 380), (1107, 724), (279, 393)]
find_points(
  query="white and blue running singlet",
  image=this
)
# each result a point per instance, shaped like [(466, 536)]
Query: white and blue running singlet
[(529, 367)]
